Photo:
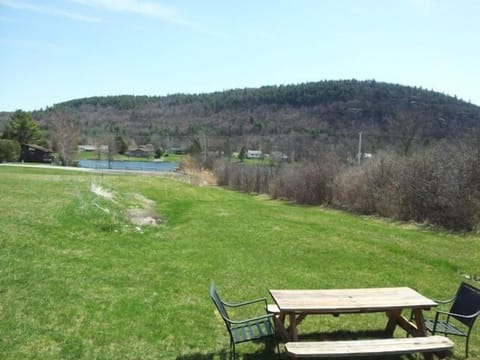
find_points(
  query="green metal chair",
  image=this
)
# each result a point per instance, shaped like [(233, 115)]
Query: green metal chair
[(460, 318), (240, 331)]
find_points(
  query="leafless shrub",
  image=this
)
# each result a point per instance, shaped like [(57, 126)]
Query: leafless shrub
[(252, 178), (64, 133), (309, 182), (371, 188), (352, 193), (441, 186)]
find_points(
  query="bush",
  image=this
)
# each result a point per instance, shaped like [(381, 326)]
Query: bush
[(309, 182), (371, 188), (352, 192), (252, 178), (9, 150), (442, 186)]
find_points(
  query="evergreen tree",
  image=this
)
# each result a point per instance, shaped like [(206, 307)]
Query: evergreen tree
[(243, 153), (22, 128), (121, 144), (9, 150)]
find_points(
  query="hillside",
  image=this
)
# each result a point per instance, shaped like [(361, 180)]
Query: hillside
[(326, 110)]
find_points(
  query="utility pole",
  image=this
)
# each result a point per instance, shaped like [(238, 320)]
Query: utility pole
[(109, 157), (204, 144), (359, 155)]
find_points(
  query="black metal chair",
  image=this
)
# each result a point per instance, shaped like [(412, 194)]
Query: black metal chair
[(255, 328), (464, 311)]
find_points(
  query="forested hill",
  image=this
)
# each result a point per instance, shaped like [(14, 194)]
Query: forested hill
[(325, 108)]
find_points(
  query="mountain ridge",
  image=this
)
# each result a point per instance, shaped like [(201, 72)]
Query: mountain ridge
[(322, 109)]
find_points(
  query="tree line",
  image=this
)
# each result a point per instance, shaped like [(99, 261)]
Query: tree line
[(322, 108)]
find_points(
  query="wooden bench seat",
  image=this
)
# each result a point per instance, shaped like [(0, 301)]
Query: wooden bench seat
[(377, 347), (273, 309)]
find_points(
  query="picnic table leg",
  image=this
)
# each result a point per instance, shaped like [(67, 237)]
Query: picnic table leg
[(301, 317), (420, 322), (393, 316), (293, 327), (280, 325), (421, 330)]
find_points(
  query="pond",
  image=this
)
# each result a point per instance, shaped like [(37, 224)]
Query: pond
[(129, 165)]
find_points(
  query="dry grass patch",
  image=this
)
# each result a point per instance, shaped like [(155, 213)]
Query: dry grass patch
[(195, 177), (139, 210)]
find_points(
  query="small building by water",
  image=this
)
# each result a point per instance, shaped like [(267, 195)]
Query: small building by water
[(92, 148), (141, 151), (35, 153)]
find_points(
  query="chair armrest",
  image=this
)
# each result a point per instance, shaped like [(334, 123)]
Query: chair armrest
[(264, 300), (256, 318), (456, 315), (445, 301)]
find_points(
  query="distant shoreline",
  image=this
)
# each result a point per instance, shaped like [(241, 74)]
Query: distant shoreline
[(73, 168)]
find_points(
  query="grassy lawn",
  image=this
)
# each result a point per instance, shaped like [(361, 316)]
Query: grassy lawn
[(77, 280)]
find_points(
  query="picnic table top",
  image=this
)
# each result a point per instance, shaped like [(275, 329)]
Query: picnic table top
[(350, 300)]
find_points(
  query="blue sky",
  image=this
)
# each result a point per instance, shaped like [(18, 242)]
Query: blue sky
[(58, 50)]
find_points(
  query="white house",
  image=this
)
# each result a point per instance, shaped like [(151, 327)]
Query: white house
[(254, 154), (278, 156), (89, 148)]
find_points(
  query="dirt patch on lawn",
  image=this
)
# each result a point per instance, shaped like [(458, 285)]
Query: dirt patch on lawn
[(143, 212), (143, 217)]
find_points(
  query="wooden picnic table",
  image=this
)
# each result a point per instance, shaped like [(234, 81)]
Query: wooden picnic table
[(297, 304)]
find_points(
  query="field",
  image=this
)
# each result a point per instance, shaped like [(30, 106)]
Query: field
[(79, 280)]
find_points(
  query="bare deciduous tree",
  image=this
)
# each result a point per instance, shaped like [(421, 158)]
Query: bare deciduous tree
[(64, 135)]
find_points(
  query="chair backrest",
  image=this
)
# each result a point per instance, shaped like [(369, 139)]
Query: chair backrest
[(467, 302), (219, 304)]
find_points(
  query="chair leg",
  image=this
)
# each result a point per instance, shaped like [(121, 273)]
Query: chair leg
[(466, 347), (232, 351), (270, 344)]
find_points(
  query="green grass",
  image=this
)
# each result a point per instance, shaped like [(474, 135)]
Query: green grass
[(78, 281)]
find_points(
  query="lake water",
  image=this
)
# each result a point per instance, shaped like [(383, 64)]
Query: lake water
[(129, 165)]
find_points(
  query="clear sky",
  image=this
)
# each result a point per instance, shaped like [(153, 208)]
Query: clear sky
[(57, 50)]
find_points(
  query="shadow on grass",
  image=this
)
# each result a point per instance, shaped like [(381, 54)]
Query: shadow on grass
[(268, 352), (343, 335), (223, 355)]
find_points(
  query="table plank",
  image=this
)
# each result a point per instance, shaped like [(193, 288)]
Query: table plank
[(350, 300)]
